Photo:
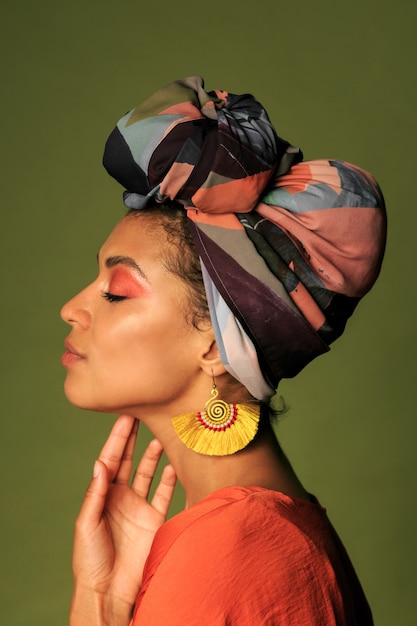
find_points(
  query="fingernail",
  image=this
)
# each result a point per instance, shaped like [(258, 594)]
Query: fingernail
[(96, 470)]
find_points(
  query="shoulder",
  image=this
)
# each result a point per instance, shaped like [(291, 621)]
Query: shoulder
[(241, 510), (238, 525), (271, 552)]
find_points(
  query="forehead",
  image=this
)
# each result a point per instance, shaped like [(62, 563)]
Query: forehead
[(136, 235)]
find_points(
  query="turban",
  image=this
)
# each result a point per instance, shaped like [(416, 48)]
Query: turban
[(287, 247)]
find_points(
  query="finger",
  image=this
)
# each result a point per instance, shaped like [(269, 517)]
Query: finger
[(164, 492), (146, 469), (112, 452), (125, 469), (94, 500)]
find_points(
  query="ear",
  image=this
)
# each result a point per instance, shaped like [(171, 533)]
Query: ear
[(211, 363)]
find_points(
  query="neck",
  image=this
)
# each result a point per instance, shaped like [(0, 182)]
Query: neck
[(262, 463)]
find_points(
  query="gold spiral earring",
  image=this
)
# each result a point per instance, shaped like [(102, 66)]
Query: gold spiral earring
[(219, 429)]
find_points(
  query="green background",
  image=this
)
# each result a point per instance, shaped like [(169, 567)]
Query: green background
[(339, 80)]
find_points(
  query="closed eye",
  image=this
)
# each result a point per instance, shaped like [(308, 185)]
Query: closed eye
[(111, 297)]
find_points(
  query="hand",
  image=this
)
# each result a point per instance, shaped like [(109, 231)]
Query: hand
[(116, 524)]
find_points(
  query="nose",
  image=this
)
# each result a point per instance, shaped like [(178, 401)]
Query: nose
[(77, 311)]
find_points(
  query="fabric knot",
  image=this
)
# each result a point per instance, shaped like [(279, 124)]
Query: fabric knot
[(213, 151)]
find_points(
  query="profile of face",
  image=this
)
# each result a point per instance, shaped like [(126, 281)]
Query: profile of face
[(132, 346)]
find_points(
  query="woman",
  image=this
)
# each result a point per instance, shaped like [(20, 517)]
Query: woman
[(235, 266)]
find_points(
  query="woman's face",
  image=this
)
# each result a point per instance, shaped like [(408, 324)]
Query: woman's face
[(131, 345)]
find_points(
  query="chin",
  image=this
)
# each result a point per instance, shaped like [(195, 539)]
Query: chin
[(92, 398), (82, 401), (89, 404)]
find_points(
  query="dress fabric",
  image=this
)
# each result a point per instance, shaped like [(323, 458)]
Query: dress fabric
[(250, 556)]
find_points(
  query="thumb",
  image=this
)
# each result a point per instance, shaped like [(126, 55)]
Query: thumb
[(95, 498)]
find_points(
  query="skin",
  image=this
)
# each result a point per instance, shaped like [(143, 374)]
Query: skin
[(140, 356)]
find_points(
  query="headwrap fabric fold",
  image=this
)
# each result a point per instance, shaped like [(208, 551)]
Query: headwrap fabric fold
[(236, 349), (287, 248), (200, 149), (293, 274)]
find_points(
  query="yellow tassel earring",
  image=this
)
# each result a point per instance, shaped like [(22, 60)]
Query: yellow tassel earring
[(220, 429)]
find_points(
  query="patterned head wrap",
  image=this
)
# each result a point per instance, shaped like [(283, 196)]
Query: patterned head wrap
[(287, 247)]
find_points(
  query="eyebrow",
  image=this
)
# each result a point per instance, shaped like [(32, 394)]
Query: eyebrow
[(112, 261)]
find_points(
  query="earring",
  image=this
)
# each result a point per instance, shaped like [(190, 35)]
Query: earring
[(220, 429)]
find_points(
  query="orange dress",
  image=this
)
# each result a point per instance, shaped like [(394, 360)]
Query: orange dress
[(250, 557)]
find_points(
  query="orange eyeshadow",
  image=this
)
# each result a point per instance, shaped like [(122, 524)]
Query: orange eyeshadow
[(123, 283)]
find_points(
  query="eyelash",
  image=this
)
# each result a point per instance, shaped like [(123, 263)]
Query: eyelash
[(111, 297)]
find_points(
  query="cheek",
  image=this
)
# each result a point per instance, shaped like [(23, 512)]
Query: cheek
[(141, 336), (131, 336), (120, 337)]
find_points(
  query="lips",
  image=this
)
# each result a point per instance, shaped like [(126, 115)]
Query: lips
[(71, 355)]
